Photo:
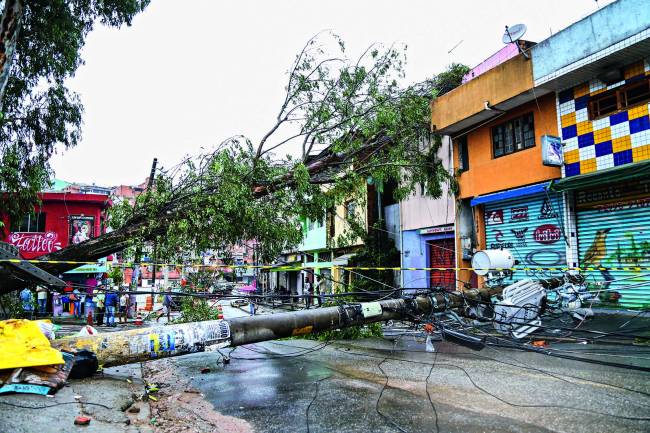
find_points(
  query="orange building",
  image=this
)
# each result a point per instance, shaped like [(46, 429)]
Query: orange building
[(499, 124)]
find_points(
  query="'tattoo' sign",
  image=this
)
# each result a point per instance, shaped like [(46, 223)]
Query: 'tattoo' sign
[(34, 244)]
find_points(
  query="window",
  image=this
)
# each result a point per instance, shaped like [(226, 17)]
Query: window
[(351, 210), (463, 155), (34, 222), (513, 135), (310, 225), (636, 93), (620, 98)]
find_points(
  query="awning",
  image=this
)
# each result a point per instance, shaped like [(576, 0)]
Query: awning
[(317, 265), (92, 268), (511, 193), (615, 174), (343, 260)]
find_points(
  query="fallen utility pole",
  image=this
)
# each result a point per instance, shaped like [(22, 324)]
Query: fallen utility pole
[(125, 347)]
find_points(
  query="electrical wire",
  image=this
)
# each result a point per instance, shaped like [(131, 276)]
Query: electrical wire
[(318, 382), (542, 406), (381, 393), (426, 388), (20, 406)]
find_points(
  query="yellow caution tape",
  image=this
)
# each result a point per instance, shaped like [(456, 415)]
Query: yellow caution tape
[(281, 268)]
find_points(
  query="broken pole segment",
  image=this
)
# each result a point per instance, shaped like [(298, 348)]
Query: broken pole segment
[(135, 345)]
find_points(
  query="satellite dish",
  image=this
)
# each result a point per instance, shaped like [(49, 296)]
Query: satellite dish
[(514, 33)]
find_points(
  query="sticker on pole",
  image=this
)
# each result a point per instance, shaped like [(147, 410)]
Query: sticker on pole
[(371, 309)]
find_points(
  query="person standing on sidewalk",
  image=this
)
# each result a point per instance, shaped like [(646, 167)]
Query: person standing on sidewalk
[(26, 300), (124, 302), (100, 306), (75, 297), (110, 303), (167, 307), (57, 304), (41, 295)]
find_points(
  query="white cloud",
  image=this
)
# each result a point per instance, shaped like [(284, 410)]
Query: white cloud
[(189, 74)]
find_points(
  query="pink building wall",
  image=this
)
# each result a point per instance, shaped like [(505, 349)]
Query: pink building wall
[(419, 212)]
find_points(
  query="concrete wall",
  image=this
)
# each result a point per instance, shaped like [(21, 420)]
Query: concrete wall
[(419, 211), (609, 25), (341, 226), (495, 86), (414, 256), (315, 239), (487, 174)]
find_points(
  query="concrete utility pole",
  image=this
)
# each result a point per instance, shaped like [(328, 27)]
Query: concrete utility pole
[(136, 345)]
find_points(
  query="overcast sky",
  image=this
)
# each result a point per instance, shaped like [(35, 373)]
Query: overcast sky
[(190, 74)]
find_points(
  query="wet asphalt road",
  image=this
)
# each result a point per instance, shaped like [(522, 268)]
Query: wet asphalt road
[(303, 385)]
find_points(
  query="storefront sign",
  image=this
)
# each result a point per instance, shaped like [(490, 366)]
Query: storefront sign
[(547, 234), (494, 217), (551, 151), (34, 244), (433, 230), (519, 213), (612, 196)]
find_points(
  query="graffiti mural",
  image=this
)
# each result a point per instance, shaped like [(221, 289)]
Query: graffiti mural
[(531, 231), (614, 237)]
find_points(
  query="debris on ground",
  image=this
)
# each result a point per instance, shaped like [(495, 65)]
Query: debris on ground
[(81, 420)]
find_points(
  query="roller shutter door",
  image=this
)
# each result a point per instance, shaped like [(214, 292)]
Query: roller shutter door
[(613, 224), (531, 228)]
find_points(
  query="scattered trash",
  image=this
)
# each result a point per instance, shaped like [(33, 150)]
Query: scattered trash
[(129, 380), (42, 380), (151, 397), (81, 420), (540, 343), (47, 328), (77, 397), (24, 345), (152, 388), (85, 364), (429, 345), (87, 330), (205, 370)]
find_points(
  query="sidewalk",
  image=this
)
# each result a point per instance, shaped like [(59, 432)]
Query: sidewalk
[(105, 398)]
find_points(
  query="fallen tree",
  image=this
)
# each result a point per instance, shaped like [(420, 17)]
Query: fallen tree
[(371, 127)]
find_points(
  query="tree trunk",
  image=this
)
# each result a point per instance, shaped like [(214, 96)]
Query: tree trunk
[(9, 29)]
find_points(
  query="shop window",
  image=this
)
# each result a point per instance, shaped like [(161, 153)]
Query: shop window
[(463, 154), (34, 222), (514, 135), (621, 98)]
